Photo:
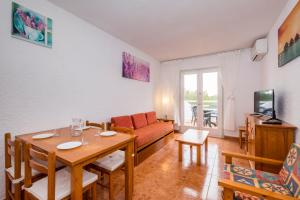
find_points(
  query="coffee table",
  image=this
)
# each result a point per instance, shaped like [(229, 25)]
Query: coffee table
[(192, 137)]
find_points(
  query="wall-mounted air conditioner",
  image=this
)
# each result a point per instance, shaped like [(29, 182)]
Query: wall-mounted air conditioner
[(259, 49)]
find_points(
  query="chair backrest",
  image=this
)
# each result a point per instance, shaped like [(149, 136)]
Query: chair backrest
[(100, 125), (34, 159), (13, 153), (194, 111), (111, 127), (290, 172)]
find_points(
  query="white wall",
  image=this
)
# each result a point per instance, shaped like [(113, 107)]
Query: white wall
[(248, 81), (80, 76), (285, 79)]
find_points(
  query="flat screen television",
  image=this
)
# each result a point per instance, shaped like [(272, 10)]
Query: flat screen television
[(264, 102)]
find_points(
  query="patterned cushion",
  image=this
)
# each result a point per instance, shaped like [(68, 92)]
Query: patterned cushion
[(256, 178), (290, 172), (243, 196)]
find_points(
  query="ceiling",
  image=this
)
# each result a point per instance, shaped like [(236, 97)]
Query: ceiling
[(171, 29)]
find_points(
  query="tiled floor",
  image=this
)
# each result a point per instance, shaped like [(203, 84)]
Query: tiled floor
[(162, 177)]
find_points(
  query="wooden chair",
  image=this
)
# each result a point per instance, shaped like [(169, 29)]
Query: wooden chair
[(243, 136), (15, 168), (46, 188), (111, 163), (99, 125), (242, 183), (13, 171)]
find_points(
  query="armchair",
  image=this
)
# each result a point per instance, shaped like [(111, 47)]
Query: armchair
[(249, 184)]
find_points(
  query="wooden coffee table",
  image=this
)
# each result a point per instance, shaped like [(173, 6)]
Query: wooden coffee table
[(192, 137)]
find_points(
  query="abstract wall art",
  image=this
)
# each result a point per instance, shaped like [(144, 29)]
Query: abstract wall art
[(31, 26), (135, 68)]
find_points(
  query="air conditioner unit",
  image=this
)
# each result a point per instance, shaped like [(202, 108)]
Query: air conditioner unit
[(259, 50)]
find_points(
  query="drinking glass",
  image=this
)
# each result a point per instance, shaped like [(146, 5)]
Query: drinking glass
[(55, 131), (82, 125), (76, 127), (83, 141)]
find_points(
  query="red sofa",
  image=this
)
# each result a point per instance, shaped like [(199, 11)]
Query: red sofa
[(146, 127)]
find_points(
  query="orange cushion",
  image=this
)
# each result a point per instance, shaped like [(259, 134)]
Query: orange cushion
[(122, 121), (139, 120), (152, 132), (151, 117)]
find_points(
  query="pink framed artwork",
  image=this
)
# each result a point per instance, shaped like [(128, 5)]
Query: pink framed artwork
[(135, 68)]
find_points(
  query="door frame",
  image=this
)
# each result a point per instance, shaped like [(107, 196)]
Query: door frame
[(219, 132)]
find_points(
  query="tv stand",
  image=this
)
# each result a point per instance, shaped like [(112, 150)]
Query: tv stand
[(268, 140), (273, 120)]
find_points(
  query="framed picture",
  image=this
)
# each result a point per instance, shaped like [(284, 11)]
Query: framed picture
[(288, 37), (135, 68), (31, 26)]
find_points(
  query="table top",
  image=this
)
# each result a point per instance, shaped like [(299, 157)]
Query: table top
[(96, 144), (193, 136)]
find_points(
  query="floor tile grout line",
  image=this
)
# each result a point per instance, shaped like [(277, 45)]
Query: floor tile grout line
[(211, 176)]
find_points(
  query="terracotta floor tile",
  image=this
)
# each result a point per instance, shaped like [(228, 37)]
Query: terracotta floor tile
[(162, 177)]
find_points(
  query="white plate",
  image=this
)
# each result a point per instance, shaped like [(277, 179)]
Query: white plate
[(69, 145), (108, 133), (82, 128), (43, 136)]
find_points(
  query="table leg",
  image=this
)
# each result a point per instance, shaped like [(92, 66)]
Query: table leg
[(206, 144), (198, 154), (76, 182), (129, 171), (180, 151)]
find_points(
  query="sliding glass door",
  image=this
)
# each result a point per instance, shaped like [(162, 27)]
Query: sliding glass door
[(201, 100)]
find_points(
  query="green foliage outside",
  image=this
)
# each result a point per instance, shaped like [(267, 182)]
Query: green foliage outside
[(208, 101)]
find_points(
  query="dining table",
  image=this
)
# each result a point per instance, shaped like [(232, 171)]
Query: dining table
[(93, 148)]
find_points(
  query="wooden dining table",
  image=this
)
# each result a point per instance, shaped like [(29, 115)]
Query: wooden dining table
[(96, 147)]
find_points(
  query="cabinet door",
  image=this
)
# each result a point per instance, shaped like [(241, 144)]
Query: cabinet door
[(272, 143)]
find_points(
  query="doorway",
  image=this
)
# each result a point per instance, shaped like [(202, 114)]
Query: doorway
[(201, 100)]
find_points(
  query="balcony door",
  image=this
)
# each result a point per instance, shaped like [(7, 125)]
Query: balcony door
[(201, 100)]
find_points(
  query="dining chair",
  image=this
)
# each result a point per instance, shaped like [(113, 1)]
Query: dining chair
[(13, 171), (109, 165), (15, 168), (98, 125), (56, 185), (112, 162)]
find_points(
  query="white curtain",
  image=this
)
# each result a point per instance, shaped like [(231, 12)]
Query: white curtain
[(230, 62)]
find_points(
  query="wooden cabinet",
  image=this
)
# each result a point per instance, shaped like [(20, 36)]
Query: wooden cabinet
[(269, 141)]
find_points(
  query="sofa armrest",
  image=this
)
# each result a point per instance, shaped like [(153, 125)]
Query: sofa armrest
[(230, 155), (166, 120), (231, 186)]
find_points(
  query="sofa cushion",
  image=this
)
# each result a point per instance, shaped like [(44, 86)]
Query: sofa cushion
[(139, 120), (151, 117), (122, 121), (152, 132)]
